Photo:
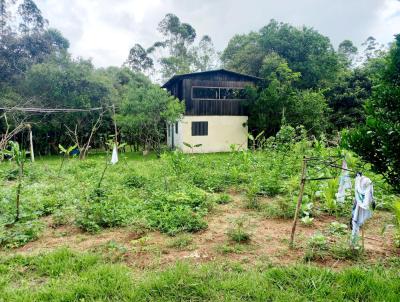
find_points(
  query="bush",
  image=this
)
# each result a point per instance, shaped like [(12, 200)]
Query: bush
[(135, 181), (177, 212), (103, 211), (20, 233), (213, 183), (317, 247), (280, 207)]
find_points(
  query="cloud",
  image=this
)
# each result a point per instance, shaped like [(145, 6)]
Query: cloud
[(105, 30)]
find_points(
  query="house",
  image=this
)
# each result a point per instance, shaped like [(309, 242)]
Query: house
[(215, 113)]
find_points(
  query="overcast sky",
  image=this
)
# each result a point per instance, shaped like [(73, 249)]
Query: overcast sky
[(105, 30)]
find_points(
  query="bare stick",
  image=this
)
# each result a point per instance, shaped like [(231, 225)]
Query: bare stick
[(31, 143), (299, 200)]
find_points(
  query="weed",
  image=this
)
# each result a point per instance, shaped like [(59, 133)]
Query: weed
[(239, 231), (280, 207), (252, 199), (20, 233), (337, 228), (307, 220), (135, 181), (223, 198), (225, 249), (317, 247), (181, 242), (63, 216)]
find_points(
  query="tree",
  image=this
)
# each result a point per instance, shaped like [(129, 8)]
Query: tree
[(145, 111), (65, 83), (346, 98), (347, 53), (305, 50), (32, 19), (29, 43), (139, 60), (309, 109), (176, 53), (378, 140), (266, 104), (205, 56)]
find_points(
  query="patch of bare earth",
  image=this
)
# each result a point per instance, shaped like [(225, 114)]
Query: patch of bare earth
[(268, 244)]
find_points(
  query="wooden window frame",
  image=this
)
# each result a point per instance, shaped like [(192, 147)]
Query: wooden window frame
[(219, 93), (197, 133)]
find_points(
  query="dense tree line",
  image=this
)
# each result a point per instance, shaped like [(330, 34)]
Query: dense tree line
[(306, 81)]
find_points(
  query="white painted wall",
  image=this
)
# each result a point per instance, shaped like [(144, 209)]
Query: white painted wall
[(223, 131), (176, 137)]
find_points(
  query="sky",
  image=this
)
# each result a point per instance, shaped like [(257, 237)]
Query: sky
[(105, 30)]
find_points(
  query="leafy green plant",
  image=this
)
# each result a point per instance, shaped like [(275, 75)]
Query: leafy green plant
[(337, 228), (19, 155), (280, 207), (317, 247), (396, 212), (307, 220), (223, 198), (252, 199), (239, 231), (181, 242), (135, 181), (65, 152), (20, 233), (192, 147), (329, 195)]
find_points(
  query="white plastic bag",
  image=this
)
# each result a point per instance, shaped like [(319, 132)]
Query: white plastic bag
[(114, 157)]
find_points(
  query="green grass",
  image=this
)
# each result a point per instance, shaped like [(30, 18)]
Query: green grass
[(173, 195), (64, 275)]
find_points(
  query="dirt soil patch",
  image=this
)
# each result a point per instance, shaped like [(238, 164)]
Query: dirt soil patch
[(268, 244)]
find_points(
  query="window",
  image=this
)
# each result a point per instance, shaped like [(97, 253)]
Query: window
[(232, 94), (205, 93), (176, 127), (199, 128), (218, 93)]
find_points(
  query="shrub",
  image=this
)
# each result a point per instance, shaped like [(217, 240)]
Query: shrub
[(211, 182), (135, 181), (20, 233), (101, 211), (63, 216), (177, 212), (280, 207), (317, 247)]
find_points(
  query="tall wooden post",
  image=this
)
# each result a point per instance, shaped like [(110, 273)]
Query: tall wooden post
[(299, 200), (115, 126), (31, 143)]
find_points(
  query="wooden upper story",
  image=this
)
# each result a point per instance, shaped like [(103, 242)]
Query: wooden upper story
[(216, 92)]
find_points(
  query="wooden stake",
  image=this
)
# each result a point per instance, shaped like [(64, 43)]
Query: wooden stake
[(299, 200), (362, 236), (115, 125), (31, 143)]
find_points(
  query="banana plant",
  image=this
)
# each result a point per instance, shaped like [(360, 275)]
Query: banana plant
[(192, 146), (257, 141), (19, 156), (65, 152)]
